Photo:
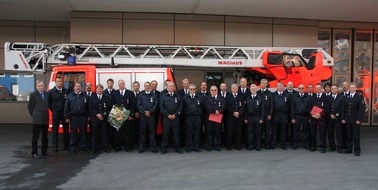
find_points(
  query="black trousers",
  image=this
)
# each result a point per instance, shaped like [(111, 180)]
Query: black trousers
[(254, 133), (45, 141), (169, 124), (233, 130), (267, 125), (353, 137), (316, 124), (344, 135), (203, 130), (147, 123), (193, 128), (78, 122), (182, 130), (331, 133), (213, 134), (126, 134), (57, 119), (337, 125), (301, 123), (99, 128), (136, 131), (279, 125)]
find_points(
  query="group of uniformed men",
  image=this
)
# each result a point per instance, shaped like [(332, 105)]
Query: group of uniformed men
[(259, 117)]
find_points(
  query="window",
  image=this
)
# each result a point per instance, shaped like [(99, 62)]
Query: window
[(16, 86), (69, 79)]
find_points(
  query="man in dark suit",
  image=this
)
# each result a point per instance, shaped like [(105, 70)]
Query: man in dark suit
[(203, 93), (353, 113), (281, 107), (135, 125), (183, 92), (147, 103), (234, 114), (56, 99), (300, 110), (110, 91), (192, 105), (267, 96), (290, 126), (254, 117), (171, 108), (318, 120), (290, 88), (99, 108), (345, 93), (310, 90), (336, 113), (88, 94), (214, 105), (330, 128), (125, 98), (38, 110), (243, 89), (76, 113)]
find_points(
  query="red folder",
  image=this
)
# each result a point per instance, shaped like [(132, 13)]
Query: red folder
[(216, 117), (316, 110)]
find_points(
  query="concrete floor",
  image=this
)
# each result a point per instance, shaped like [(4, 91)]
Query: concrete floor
[(273, 169)]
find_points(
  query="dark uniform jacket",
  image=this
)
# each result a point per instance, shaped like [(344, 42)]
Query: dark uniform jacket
[(38, 108), (56, 99), (192, 106), (354, 108), (76, 104), (254, 107), (106, 91), (235, 104), (267, 97), (322, 102), (337, 106), (300, 106), (170, 104), (127, 100), (147, 102), (181, 92), (247, 92), (97, 106), (281, 104), (214, 104)]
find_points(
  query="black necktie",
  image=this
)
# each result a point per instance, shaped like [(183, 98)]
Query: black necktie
[(43, 96), (99, 97), (60, 91)]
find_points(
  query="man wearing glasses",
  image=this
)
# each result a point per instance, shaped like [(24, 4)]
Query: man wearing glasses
[(192, 104)]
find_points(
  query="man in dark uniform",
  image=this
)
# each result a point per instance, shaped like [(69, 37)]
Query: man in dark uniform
[(310, 89), (88, 93), (281, 107), (353, 113), (135, 121), (234, 114), (76, 114), (38, 110), (243, 89), (266, 95), (147, 104), (192, 104), (125, 98), (99, 108), (183, 92), (214, 105), (336, 114), (110, 91), (318, 120), (254, 117), (300, 110), (330, 128), (203, 93), (345, 93), (56, 99), (290, 126), (171, 107)]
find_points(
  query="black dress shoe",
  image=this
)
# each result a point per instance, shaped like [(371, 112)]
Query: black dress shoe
[(267, 148), (238, 148), (140, 151), (46, 154), (339, 151), (357, 154), (73, 151), (228, 148), (273, 147), (66, 148), (294, 147), (218, 149), (179, 151), (249, 149), (106, 150), (312, 149), (55, 149), (163, 152), (332, 149), (284, 147), (209, 149), (323, 150), (188, 151), (93, 152), (196, 150), (154, 151), (347, 152), (258, 149), (306, 147), (85, 149), (36, 156)]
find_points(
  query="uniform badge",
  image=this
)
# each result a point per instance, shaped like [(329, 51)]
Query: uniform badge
[(151, 100), (175, 100), (198, 102), (257, 102), (85, 100), (266, 97), (127, 101), (104, 105), (322, 104), (219, 104), (65, 95), (285, 99), (239, 103)]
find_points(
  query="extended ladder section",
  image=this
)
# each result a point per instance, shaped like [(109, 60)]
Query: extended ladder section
[(34, 57)]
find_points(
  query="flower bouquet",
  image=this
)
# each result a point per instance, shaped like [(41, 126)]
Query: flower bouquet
[(117, 116)]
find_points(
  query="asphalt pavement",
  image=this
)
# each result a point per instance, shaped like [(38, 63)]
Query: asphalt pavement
[(268, 169)]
